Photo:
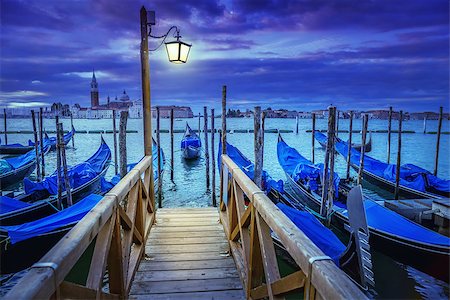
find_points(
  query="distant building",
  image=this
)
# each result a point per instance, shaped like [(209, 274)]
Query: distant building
[(94, 91), (178, 111)]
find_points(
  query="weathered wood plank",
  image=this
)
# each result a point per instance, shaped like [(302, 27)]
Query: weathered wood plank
[(186, 265), (185, 286), (185, 240), (177, 234), (157, 228), (164, 249), (186, 274), (216, 295), (186, 256)]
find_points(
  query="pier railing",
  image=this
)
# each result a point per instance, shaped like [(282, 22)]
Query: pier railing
[(111, 237), (249, 229)]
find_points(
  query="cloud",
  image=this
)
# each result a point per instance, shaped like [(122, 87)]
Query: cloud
[(20, 94)]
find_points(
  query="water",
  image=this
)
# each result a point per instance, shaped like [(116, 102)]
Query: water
[(394, 280)]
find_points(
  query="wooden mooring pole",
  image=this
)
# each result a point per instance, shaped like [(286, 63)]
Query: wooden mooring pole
[(41, 138), (36, 147), (389, 135), (328, 151), (58, 165), (349, 149), (62, 147), (224, 145), (331, 141), (123, 143), (313, 115), (337, 123), (205, 129), (172, 165), (363, 148), (158, 145), (224, 120), (438, 141), (116, 165), (436, 159), (296, 124), (213, 161), (199, 122), (258, 147), (425, 124), (71, 126), (399, 157), (4, 125)]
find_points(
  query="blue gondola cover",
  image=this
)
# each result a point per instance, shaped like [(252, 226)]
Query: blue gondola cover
[(8, 204), (78, 175), (65, 217)]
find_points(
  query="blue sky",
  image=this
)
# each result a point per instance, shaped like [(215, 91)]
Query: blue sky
[(304, 55)]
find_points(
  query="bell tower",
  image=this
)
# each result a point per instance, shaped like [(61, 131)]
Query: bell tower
[(94, 91)]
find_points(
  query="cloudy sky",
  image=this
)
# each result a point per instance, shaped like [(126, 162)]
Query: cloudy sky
[(297, 54)]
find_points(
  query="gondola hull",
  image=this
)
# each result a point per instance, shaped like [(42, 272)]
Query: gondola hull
[(428, 258), (17, 175), (15, 149), (191, 152), (404, 192), (21, 255), (48, 207)]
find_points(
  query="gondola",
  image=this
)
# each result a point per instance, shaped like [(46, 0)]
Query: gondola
[(415, 182), (15, 169), (52, 140), (191, 144), (41, 197), (15, 149), (350, 258), (367, 146), (390, 233), (23, 245)]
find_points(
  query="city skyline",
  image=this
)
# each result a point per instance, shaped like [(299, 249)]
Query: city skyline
[(302, 55)]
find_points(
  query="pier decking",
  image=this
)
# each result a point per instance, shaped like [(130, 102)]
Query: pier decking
[(187, 256)]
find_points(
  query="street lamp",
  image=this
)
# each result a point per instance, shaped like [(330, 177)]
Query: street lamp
[(177, 52)]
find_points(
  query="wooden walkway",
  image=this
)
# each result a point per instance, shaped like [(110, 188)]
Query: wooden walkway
[(186, 257)]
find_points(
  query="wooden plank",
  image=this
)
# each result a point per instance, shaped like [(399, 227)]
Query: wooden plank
[(227, 262), (190, 222), (186, 228), (185, 240), (185, 286), (216, 295), (71, 290), (155, 249), (186, 256), (177, 234), (186, 274)]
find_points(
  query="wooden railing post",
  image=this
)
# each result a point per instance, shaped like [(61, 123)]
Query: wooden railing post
[(213, 160), (205, 129)]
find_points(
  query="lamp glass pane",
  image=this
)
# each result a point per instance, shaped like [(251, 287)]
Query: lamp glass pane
[(172, 51), (184, 51)]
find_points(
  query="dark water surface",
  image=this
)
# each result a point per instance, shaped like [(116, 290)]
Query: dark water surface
[(393, 279)]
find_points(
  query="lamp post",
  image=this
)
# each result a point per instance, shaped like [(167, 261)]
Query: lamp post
[(177, 52)]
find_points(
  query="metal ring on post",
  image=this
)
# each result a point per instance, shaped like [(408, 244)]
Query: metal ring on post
[(52, 266), (311, 261), (256, 193)]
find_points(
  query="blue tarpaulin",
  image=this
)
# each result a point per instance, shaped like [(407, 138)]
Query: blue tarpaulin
[(248, 167), (320, 235), (70, 215), (300, 168), (13, 163), (78, 175), (381, 218), (411, 176), (8, 204)]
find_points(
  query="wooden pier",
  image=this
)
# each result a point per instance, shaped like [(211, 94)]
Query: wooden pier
[(187, 256), (184, 254)]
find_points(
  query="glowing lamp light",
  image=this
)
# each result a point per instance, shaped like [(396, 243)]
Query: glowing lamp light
[(178, 51)]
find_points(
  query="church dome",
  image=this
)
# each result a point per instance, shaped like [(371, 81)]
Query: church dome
[(124, 97)]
